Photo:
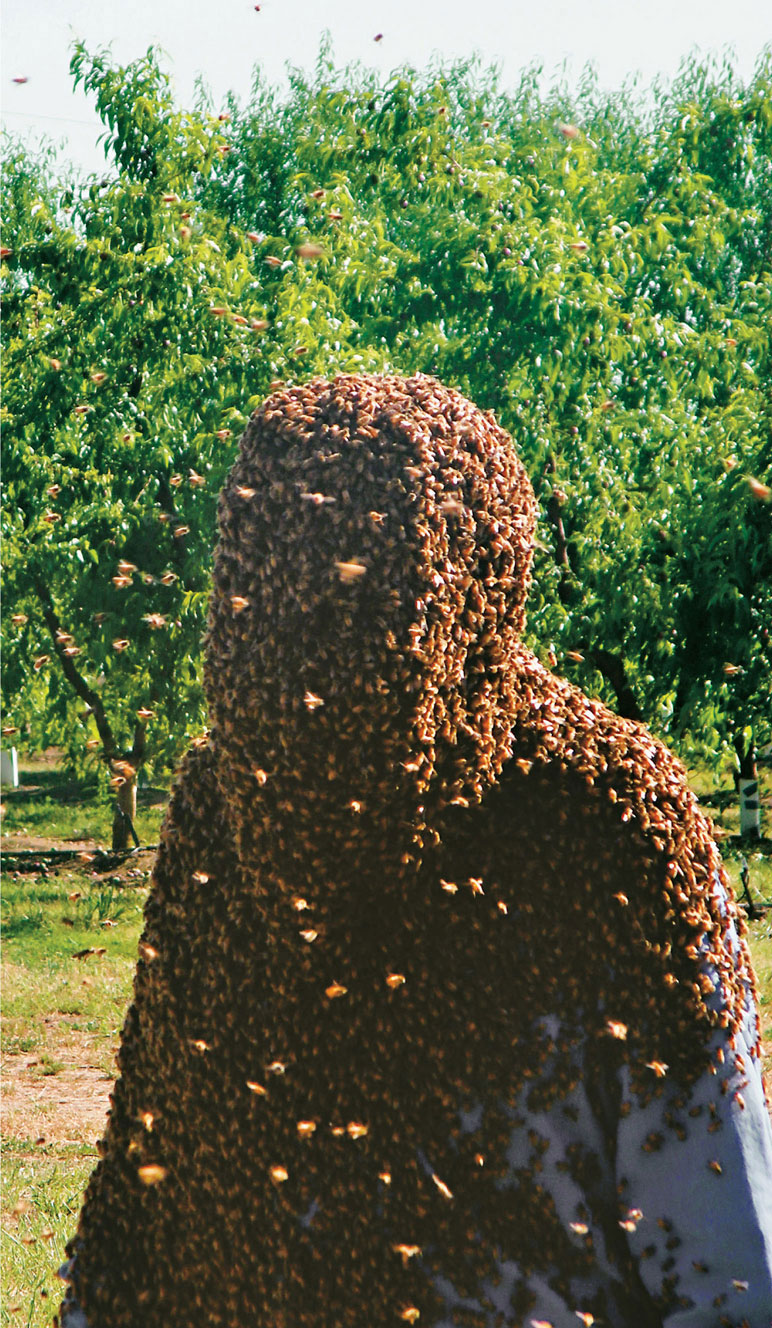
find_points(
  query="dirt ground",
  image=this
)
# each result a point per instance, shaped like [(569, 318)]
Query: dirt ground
[(69, 1107)]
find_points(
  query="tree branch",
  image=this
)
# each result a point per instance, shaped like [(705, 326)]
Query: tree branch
[(73, 676)]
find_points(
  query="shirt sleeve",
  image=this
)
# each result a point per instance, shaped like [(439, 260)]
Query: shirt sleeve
[(695, 1172)]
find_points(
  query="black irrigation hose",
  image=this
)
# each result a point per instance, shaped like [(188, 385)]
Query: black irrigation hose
[(27, 859)]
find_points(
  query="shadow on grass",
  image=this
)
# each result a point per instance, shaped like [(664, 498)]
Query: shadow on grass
[(24, 924), (55, 786)]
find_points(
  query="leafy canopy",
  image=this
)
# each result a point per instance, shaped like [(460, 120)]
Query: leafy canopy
[(597, 274)]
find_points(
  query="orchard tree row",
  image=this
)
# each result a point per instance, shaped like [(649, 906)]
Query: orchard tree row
[(596, 271)]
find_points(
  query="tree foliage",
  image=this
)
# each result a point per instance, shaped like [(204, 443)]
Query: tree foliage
[(598, 274)]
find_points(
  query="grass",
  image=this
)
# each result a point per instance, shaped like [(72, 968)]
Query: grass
[(42, 1197), (59, 1009)]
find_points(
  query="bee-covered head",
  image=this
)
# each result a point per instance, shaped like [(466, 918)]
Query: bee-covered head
[(369, 591)]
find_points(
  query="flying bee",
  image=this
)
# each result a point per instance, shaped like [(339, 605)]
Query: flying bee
[(350, 572), (394, 980), (152, 1173), (279, 1175), (444, 1190), (335, 989)]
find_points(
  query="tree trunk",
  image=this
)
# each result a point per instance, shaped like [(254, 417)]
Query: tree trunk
[(125, 814), (613, 670)]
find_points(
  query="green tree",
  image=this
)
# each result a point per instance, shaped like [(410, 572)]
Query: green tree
[(597, 273), (130, 357), (600, 276)]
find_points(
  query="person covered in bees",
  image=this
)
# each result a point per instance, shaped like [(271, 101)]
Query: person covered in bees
[(443, 1011)]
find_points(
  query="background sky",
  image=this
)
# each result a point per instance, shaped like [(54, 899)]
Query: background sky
[(222, 41)]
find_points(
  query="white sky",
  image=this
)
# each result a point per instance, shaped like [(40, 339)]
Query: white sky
[(223, 40)]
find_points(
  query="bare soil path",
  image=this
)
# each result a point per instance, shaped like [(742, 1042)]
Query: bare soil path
[(69, 1107)]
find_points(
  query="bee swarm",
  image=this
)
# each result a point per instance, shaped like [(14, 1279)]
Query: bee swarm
[(403, 845)]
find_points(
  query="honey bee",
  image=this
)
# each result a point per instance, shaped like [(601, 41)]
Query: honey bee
[(350, 572), (407, 1251), (442, 1187), (152, 1173)]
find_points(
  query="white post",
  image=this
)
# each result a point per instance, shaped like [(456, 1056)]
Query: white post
[(9, 767), (750, 808)]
